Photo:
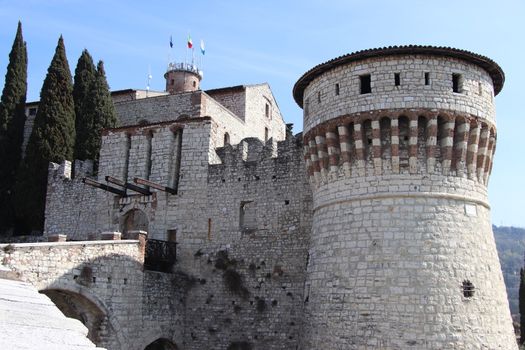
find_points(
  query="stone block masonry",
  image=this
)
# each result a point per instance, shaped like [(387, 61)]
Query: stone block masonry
[(369, 231), (398, 148)]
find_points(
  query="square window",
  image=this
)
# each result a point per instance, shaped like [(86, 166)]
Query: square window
[(365, 84)]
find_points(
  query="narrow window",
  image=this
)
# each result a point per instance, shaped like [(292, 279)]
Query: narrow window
[(194, 84), (337, 89), (456, 83), (265, 134), (319, 97), (480, 88), (267, 110), (226, 139), (397, 79), (427, 78), (149, 138), (172, 81), (468, 289), (365, 85)]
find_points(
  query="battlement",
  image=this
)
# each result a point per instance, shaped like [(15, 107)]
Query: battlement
[(254, 151), (64, 170)]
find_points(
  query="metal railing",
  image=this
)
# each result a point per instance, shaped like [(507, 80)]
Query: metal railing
[(183, 66)]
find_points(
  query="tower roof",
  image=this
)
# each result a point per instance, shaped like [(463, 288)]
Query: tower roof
[(492, 68)]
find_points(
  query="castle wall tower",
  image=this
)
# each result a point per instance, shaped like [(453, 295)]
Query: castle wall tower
[(399, 145), (182, 77)]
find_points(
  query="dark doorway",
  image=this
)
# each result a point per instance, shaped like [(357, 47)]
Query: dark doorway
[(161, 344), (134, 220)]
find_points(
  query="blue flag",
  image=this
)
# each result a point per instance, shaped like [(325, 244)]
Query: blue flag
[(171, 42)]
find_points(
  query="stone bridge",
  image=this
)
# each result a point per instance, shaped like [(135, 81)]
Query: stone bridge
[(104, 285)]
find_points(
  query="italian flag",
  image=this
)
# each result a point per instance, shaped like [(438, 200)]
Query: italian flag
[(190, 43)]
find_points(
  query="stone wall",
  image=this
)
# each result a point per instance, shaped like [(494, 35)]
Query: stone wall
[(265, 308), (72, 207), (321, 103), (233, 98)]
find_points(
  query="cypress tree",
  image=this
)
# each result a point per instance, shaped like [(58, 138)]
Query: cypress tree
[(12, 120), (99, 112), (85, 74), (51, 140), (522, 305)]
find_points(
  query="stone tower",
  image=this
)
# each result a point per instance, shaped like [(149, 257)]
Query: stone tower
[(182, 77), (398, 144)]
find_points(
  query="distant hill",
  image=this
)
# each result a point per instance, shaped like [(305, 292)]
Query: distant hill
[(510, 242)]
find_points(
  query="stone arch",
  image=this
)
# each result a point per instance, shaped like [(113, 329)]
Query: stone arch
[(161, 344), (134, 219), (74, 304)]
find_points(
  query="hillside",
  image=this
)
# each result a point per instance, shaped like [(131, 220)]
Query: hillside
[(510, 242)]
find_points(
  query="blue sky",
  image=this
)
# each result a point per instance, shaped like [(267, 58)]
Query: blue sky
[(276, 42)]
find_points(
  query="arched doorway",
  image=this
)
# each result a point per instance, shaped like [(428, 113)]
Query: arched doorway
[(79, 307), (134, 220), (161, 344)]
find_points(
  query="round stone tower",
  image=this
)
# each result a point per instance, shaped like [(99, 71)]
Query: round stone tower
[(182, 77), (399, 144)]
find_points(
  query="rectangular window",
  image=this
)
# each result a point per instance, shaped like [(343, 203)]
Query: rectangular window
[(337, 89), (480, 88), (248, 216), (456, 83), (365, 84), (267, 111), (266, 134), (397, 79), (427, 78), (319, 97), (172, 235)]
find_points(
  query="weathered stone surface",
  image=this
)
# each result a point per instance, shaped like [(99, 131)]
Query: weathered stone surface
[(30, 320)]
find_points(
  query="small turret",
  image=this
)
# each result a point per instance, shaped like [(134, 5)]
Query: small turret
[(182, 77)]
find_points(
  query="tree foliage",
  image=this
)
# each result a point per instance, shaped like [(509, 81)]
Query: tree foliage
[(52, 140), (85, 75), (98, 112), (12, 120)]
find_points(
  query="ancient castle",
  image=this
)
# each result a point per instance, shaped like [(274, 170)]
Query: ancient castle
[(209, 225)]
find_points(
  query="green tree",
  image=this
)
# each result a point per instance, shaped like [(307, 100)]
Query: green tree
[(522, 306), (51, 140), (99, 113), (12, 120), (85, 75)]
